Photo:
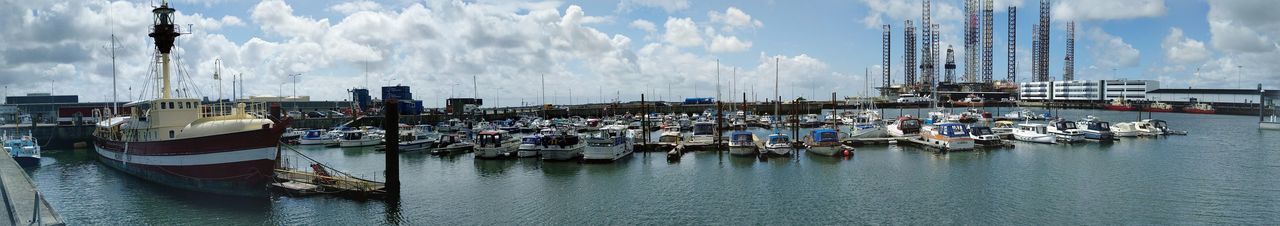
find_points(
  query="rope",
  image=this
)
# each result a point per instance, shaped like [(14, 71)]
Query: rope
[(295, 151)]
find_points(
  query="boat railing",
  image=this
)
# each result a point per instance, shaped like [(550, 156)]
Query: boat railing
[(228, 109)]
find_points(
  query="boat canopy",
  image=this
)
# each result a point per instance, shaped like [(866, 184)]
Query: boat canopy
[(825, 135), (980, 130), (703, 128), (742, 136), (952, 129), (779, 138)]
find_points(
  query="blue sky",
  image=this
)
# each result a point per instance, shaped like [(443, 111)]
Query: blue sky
[(601, 50)]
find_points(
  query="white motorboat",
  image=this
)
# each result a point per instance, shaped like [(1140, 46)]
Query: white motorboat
[(24, 150), (1095, 129), (825, 142), (1066, 131), (984, 135), (495, 144), (358, 138), (562, 146), (948, 135), (529, 146), (778, 144), (317, 137), (1034, 132), (671, 138), (450, 144), (1151, 127), (417, 138), (703, 133), (1125, 129), (904, 126), (742, 143), (610, 143), (1272, 123)]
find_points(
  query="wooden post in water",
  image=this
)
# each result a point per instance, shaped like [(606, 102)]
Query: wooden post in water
[(391, 124), (1262, 103), (644, 120), (719, 119)]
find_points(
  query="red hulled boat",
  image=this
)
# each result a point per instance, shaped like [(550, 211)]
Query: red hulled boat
[(180, 142), (1119, 104)]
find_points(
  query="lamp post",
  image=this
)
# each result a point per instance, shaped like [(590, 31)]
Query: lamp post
[(294, 77)]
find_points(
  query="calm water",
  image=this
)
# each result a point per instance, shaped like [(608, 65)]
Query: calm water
[(1225, 172)]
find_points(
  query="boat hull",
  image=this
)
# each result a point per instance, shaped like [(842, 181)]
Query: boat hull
[(1038, 138), (605, 153), (823, 150), (1158, 110), (742, 150), (27, 161), (238, 164), (493, 152), (1269, 125), (875, 132), (1199, 111), (556, 153), (315, 141), (778, 151), (527, 151), (357, 143), (1119, 108)]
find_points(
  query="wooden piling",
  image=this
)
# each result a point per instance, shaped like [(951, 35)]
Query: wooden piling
[(391, 124)]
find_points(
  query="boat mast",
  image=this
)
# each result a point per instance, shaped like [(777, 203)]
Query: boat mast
[(164, 32), (776, 62)]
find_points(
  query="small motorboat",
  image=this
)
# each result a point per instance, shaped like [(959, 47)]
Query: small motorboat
[(1066, 131), (1200, 108), (24, 149), (495, 144), (742, 143), (1095, 129), (778, 144), (904, 126), (1151, 127), (950, 136), (317, 137), (1119, 104), (358, 138), (529, 146), (1125, 129), (984, 135), (1159, 107), (1034, 132), (825, 142), (451, 144)]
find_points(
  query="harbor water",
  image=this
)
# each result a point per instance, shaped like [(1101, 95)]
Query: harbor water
[(1225, 171)]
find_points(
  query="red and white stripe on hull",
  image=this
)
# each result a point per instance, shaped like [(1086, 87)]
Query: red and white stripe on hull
[(227, 163)]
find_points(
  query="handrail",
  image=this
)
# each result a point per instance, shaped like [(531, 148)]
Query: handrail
[(4, 192)]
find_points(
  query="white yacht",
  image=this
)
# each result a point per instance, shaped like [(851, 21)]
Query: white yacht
[(1125, 129), (417, 138), (561, 146), (1151, 127), (984, 135), (904, 126), (948, 135), (703, 133), (1034, 132), (495, 144), (1066, 131), (529, 146), (742, 143), (358, 138), (778, 144), (825, 142), (317, 137), (610, 143), (671, 138)]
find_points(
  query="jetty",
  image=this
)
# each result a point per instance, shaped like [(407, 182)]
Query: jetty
[(23, 204), (917, 141)]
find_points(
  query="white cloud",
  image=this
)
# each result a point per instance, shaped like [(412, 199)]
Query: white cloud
[(723, 44), (644, 25), (894, 10), (276, 17), (1183, 50), (355, 6), (734, 18), (668, 5), (1111, 51), (682, 32), (1084, 10)]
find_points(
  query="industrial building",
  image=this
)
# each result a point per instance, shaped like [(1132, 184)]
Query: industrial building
[(404, 98), (1215, 96), (1087, 90)]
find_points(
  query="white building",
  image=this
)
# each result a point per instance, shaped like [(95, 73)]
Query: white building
[(1086, 90), (1235, 96)]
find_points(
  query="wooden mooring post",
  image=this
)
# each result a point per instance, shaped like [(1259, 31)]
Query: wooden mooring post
[(391, 124)]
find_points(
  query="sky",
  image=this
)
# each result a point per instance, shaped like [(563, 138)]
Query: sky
[(594, 51)]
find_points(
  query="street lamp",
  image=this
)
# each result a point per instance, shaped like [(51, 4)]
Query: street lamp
[(294, 77)]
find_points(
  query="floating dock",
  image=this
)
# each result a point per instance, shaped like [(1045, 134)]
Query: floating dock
[(23, 204), (916, 141), (302, 183)]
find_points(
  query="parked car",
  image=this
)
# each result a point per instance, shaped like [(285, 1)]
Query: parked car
[(314, 115)]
